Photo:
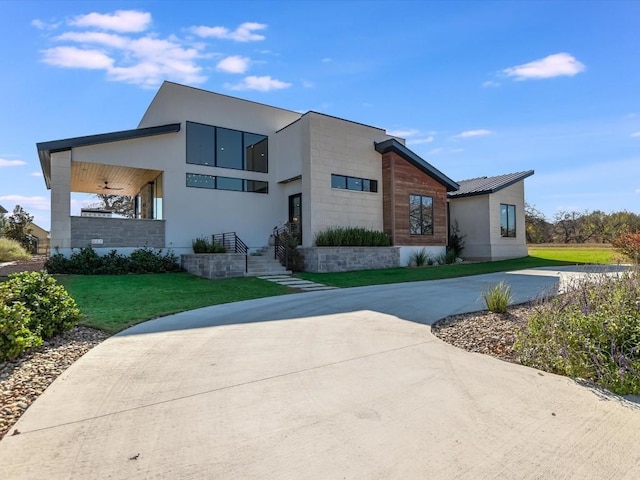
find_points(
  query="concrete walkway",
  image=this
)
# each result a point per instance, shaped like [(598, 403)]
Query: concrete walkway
[(322, 385)]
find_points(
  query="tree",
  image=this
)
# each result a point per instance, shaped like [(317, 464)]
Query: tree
[(629, 244), (120, 204), (537, 228), (18, 227), (3, 222)]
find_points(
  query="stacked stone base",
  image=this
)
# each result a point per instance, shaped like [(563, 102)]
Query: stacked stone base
[(346, 259)]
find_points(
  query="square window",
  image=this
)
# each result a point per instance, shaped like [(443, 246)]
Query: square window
[(338, 181), (229, 149)]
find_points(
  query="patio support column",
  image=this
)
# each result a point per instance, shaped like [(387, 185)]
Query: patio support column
[(61, 202)]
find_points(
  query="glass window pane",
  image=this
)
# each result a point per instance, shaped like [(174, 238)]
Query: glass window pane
[(201, 181), (227, 183), (414, 215), (338, 181), (427, 215), (354, 183), (200, 144), (257, 186), (504, 223), (256, 152), (229, 148)]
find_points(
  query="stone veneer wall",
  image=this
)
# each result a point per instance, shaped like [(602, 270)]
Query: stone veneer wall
[(215, 265), (345, 259), (116, 232)]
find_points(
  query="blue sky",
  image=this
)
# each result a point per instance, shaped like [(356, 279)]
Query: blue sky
[(477, 87)]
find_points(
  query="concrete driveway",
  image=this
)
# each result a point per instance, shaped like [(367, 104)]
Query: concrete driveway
[(323, 385)]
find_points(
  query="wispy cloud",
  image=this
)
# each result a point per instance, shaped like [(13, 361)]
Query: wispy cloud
[(635, 134), (403, 133), (73, 57), (245, 32), (119, 21), (420, 141), (262, 84), (557, 65), (326, 60), (39, 203), (490, 84), (233, 64), (36, 174), (11, 163), (473, 133)]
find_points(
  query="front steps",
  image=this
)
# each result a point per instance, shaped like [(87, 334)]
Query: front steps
[(262, 263)]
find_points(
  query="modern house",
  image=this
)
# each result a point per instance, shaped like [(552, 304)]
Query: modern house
[(202, 163)]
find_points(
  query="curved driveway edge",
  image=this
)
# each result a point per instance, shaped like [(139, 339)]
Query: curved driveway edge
[(320, 385)]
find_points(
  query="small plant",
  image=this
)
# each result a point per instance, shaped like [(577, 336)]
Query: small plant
[(456, 241), (419, 258), (15, 337), (629, 245), (204, 245), (352, 237), (497, 297), (11, 250)]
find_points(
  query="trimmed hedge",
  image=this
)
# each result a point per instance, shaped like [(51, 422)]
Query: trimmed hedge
[(33, 307), (352, 237)]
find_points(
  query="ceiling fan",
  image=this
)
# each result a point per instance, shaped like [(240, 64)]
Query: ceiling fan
[(107, 187)]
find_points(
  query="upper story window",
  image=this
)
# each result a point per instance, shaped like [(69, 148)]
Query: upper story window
[(507, 220), (226, 183), (353, 183), (225, 148), (420, 215)]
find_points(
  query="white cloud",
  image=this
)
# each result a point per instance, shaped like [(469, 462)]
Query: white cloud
[(473, 133), (39, 203), (491, 84), (101, 38), (36, 174), (326, 60), (419, 141), (409, 132), (435, 151), (244, 33), (120, 21), (262, 84), (635, 134), (72, 57), (233, 64), (11, 163), (557, 65), (637, 191)]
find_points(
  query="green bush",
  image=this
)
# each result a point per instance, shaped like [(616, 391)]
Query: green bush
[(204, 245), (419, 258), (87, 262), (52, 309), (352, 237), (455, 245), (15, 337), (497, 297), (591, 332), (11, 250)]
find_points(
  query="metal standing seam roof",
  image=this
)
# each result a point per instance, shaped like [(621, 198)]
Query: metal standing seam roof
[(392, 145), (485, 185), (46, 148)]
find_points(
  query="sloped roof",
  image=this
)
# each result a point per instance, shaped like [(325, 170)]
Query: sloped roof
[(485, 185), (393, 145)]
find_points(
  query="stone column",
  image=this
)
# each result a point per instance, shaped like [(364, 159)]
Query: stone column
[(61, 202)]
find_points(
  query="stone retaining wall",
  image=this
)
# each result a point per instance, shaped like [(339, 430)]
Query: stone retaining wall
[(116, 232), (345, 259), (214, 265)]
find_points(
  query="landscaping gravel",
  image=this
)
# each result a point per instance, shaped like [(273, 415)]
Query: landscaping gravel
[(22, 380)]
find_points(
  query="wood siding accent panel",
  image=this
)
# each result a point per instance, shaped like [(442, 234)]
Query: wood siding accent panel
[(401, 179)]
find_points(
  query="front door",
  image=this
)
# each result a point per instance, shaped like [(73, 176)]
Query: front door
[(295, 216)]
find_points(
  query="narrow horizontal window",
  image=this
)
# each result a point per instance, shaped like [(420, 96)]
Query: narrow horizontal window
[(201, 181), (197, 180), (227, 183), (354, 183)]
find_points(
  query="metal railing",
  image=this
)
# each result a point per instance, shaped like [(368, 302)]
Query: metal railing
[(282, 245), (232, 243)]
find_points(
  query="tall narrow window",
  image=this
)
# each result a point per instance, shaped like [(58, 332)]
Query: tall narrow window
[(201, 144), (420, 215), (507, 220)]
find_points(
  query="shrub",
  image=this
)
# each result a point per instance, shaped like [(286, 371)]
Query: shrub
[(352, 237), (628, 244), (419, 258), (497, 297), (11, 250), (52, 309), (591, 332), (15, 337), (87, 262), (456, 241), (204, 245)]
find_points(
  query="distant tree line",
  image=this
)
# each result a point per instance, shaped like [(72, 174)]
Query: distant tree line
[(578, 227)]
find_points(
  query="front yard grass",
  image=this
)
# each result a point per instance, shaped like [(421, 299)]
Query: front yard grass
[(115, 302), (589, 253)]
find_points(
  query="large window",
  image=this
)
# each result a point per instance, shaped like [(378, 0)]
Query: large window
[(222, 147), (353, 183), (197, 180), (507, 220), (420, 215)]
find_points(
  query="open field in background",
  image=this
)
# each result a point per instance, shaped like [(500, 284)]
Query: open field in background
[(582, 253), (115, 302)]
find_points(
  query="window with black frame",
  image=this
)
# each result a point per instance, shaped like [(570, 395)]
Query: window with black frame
[(507, 220), (420, 215)]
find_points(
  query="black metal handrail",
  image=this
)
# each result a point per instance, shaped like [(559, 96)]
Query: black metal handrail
[(232, 243), (282, 248)]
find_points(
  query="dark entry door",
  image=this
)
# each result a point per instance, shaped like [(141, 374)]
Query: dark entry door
[(295, 216)]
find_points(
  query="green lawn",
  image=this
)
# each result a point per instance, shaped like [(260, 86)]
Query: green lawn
[(576, 254), (115, 302)]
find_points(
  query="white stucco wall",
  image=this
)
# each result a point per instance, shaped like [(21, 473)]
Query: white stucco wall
[(344, 148), (508, 247), (473, 217)]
